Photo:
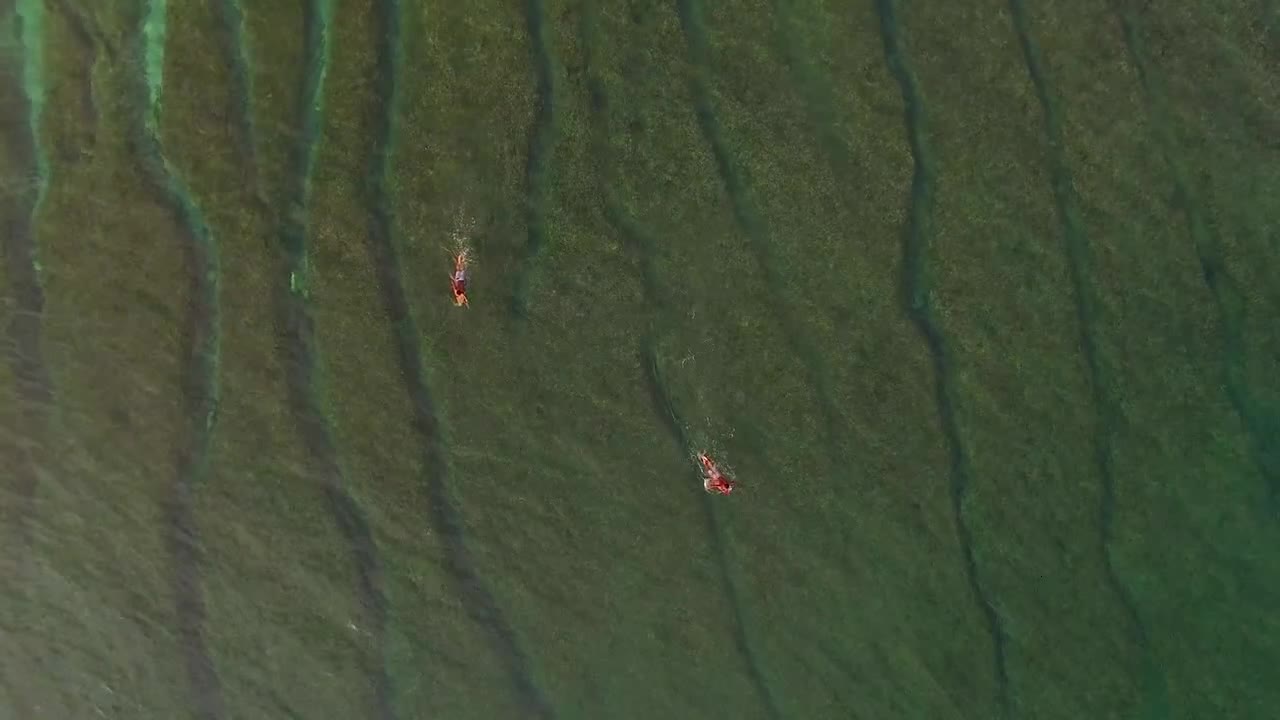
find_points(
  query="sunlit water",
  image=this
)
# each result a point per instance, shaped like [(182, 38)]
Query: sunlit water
[(976, 303)]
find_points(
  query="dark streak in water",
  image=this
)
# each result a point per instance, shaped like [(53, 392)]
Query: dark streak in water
[(675, 425), (23, 351), (816, 90), (302, 358), (90, 39), (1076, 244), (445, 518), (86, 27), (242, 85), (643, 244), (1229, 301), (916, 238), (184, 547), (201, 335), (1271, 24), (541, 149), (752, 225)]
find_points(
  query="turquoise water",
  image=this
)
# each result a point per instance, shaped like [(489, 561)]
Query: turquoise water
[(976, 302)]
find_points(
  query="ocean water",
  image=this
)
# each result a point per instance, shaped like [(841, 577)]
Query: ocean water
[(977, 302)]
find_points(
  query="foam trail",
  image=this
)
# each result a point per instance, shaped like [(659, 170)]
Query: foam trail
[(200, 381)]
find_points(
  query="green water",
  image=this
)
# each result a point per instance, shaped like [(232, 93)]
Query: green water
[(977, 302)]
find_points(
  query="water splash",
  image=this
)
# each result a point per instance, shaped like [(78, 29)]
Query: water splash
[(446, 519)]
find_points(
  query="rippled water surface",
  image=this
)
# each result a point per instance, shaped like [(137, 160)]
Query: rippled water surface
[(976, 300)]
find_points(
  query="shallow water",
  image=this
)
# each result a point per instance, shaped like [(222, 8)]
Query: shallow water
[(977, 303)]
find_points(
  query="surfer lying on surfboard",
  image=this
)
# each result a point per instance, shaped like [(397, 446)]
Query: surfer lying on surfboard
[(713, 480), (458, 280)]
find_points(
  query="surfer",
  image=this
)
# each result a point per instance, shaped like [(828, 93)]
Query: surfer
[(713, 480), (458, 280)]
